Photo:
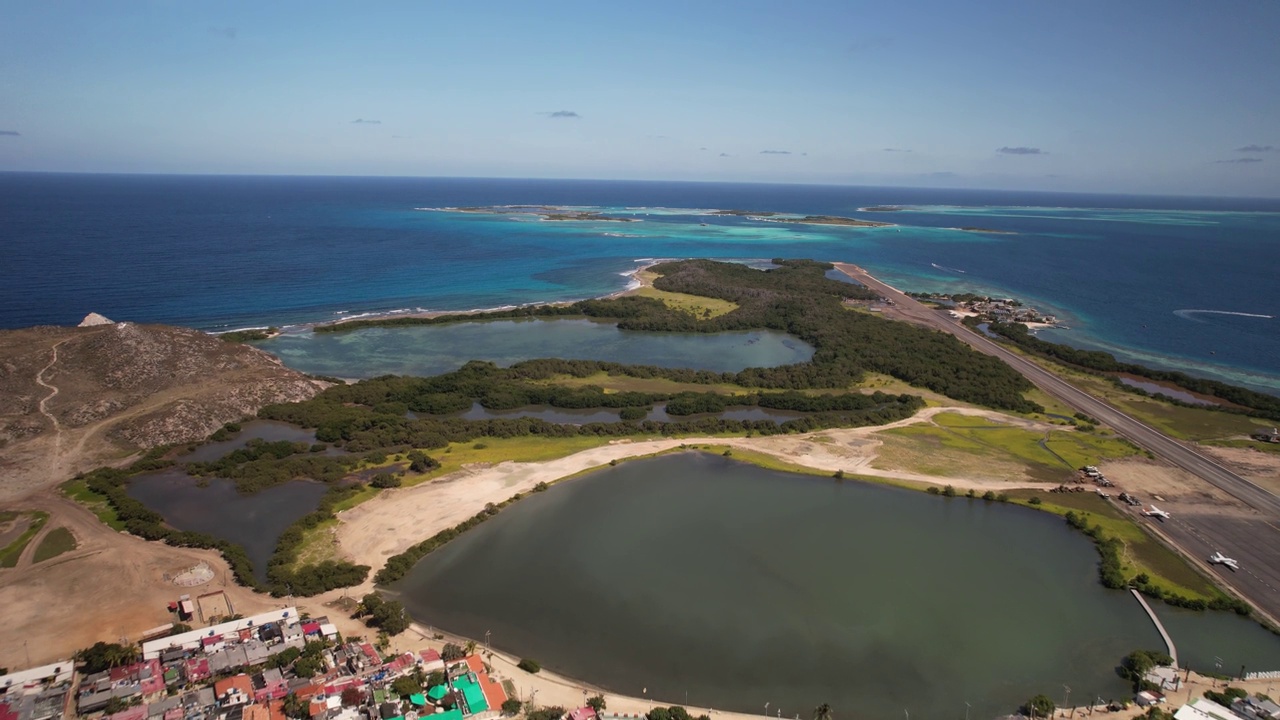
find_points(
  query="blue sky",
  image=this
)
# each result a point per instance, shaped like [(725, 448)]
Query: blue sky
[(1174, 96)]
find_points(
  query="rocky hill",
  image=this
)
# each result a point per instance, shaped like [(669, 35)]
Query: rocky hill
[(75, 398)]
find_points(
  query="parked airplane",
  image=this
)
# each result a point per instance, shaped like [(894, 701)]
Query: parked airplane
[(1220, 559), (1156, 512)]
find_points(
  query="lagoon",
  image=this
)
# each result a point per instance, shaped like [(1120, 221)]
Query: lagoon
[(696, 574), (434, 349), (254, 521)]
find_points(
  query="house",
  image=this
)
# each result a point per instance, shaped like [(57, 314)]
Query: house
[(269, 685), (1204, 709), (1147, 698), (256, 712), (212, 643), (197, 669), (137, 712), (430, 660), (1255, 709), (233, 691), (582, 713), (1271, 436), (142, 678)]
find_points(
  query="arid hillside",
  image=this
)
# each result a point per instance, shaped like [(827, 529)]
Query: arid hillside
[(74, 398)]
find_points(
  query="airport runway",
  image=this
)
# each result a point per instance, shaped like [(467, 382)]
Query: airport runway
[(1255, 542)]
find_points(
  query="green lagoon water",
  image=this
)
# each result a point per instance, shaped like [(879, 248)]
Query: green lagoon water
[(737, 585), (435, 349)]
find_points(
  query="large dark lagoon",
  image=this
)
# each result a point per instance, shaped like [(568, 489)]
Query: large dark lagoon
[(737, 585), (436, 349)]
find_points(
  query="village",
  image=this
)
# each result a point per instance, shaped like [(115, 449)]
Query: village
[(284, 665), (988, 309), (271, 666)]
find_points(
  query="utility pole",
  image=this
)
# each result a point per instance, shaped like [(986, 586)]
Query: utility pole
[(966, 709), (1066, 703)]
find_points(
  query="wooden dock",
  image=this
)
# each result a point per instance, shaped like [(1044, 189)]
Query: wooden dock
[(1168, 641)]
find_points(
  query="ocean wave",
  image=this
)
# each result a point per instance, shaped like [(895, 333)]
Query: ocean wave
[(948, 269), (240, 329), (611, 234), (1187, 314)]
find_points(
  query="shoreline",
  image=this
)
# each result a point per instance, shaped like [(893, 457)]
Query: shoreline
[(1246, 377)]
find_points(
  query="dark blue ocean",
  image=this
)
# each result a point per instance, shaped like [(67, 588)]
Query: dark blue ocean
[(1187, 283)]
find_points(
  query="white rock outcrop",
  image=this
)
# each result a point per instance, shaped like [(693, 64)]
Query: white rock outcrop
[(94, 319)]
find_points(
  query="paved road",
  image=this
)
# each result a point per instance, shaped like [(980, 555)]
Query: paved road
[(1256, 546)]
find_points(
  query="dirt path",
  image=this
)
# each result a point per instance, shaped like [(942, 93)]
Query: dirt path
[(55, 457)]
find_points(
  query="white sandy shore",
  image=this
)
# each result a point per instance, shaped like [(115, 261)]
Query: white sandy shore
[(395, 519)]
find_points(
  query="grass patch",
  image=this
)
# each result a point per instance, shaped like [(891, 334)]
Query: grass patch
[(365, 493), (695, 305), (532, 448), (1142, 554), (318, 544), (57, 541), (955, 445), (1184, 423), (79, 491), (10, 554)]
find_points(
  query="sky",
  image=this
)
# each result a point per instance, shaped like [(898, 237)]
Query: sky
[(1139, 96)]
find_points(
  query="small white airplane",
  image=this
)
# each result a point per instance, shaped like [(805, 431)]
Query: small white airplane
[(1156, 512), (1220, 559)]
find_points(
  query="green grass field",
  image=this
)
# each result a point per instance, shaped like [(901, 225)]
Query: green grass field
[(79, 491), (57, 541), (1184, 423), (533, 448), (954, 445), (9, 555), (318, 544), (695, 305)]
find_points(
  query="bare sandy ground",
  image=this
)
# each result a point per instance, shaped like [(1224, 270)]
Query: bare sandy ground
[(111, 586), (1263, 468), (396, 519)]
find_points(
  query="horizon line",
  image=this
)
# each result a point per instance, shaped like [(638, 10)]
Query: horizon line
[(625, 180)]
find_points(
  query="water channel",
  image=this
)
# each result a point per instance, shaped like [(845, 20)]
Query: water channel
[(737, 585), (435, 349)]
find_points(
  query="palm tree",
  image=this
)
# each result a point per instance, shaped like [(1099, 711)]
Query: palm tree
[(295, 707), (822, 712), (470, 647)]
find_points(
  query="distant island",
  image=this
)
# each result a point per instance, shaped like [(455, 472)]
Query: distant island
[(552, 213), (543, 212), (989, 231), (803, 219)]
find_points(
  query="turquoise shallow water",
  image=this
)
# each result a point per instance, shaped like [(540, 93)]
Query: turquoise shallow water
[(225, 252)]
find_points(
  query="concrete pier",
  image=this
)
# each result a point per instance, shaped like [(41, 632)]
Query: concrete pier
[(1168, 641)]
